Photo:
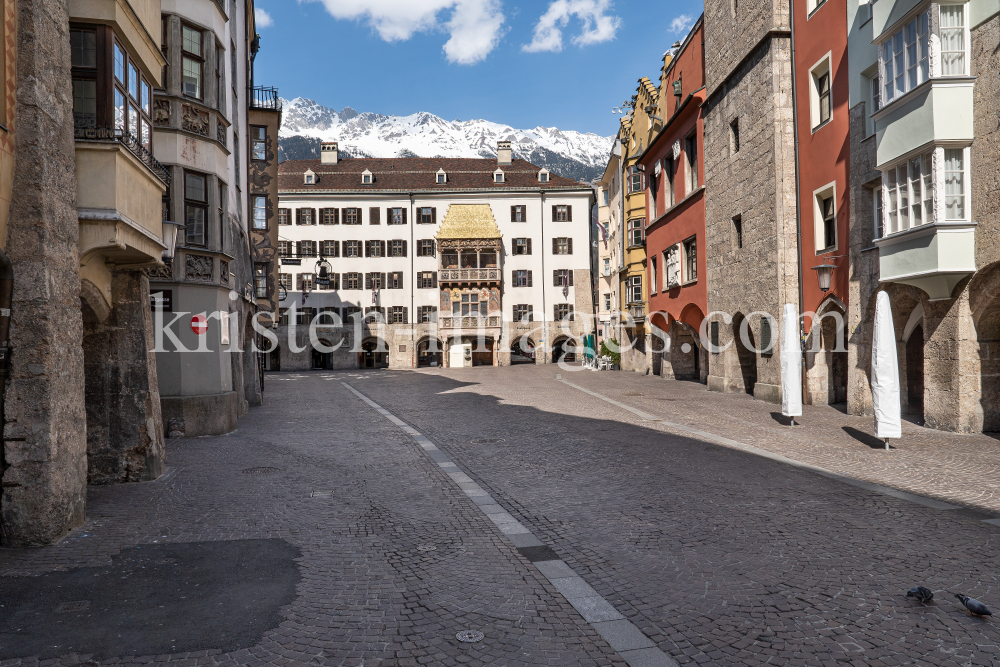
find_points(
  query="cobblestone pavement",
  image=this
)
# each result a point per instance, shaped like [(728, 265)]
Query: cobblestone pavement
[(719, 556)]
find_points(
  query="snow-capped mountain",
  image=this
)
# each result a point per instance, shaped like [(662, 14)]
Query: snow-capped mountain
[(305, 123)]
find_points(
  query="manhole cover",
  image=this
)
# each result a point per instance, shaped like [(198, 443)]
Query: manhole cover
[(76, 605), (469, 636), (427, 547), (487, 441), (260, 471)]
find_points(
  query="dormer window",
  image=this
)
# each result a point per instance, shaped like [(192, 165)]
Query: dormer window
[(543, 176), (441, 177), (310, 177), (367, 177), (498, 176)]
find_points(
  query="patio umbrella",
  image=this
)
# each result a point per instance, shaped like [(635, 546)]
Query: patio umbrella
[(791, 364), (885, 373)]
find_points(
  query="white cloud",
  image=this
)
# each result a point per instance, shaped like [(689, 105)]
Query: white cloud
[(598, 26), (261, 18), (474, 26), (681, 23)]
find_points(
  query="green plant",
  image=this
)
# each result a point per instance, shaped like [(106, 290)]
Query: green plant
[(611, 351)]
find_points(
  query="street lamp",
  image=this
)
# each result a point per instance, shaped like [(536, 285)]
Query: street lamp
[(169, 232), (824, 272)]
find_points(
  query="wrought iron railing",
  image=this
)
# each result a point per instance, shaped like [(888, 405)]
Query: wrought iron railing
[(265, 97), (453, 275), (129, 141)]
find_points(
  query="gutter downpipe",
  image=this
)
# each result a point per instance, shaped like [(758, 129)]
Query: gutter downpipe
[(798, 203), (6, 298)]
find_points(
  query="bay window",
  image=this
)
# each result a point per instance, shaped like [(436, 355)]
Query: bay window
[(955, 165), (953, 40), (195, 208), (192, 62), (910, 186)]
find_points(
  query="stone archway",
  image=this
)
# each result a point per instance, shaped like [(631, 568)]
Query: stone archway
[(522, 350), (430, 352), (373, 354), (826, 354), (564, 348), (745, 378)]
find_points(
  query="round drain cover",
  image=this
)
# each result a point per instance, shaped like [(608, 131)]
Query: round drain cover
[(469, 636)]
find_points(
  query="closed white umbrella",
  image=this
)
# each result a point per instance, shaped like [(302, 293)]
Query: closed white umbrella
[(791, 364), (885, 373)]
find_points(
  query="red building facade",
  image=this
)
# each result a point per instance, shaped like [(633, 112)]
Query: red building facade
[(675, 208), (823, 153)]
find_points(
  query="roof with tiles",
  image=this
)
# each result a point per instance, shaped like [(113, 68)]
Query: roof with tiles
[(469, 221), (416, 174)]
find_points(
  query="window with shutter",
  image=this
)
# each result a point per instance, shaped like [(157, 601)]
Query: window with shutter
[(373, 216), (569, 214), (569, 246), (555, 215), (404, 247)]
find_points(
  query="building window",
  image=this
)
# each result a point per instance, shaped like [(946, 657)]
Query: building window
[(954, 184), (607, 301), (260, 271), (352, 280), (310, 178), (604, 197), (738, 231), (192, 62), (367, 177), (471, 306), (352, 216), (543, 176), (909, 192), (691, 166), (652, 275), (522, 246), (635, 180), (330, 249), (307, 248), (426, 280), (519, 213), (523, 313), (670, 171), (284, 216), (374, 281), (672, 267), (397, 248), (284, 248), (563, 312), (305, 315), (877, 208), (258, 139), (426, 216), (633, 289), (304, 281), (953, 39), (329, 315), (441, 178), (304, 216), (425, 248), (285, 281), (350, 312), (398, 315), (394, 280), (498, 176), (352, 248), (260, 212), (426, 314), (83, 47), (562, 278), (635, 232), (195, 208), (397, 216), (521, 279), (374, 248), (827, 229), (875, 90), (734, 135), (329, 216), (903, 59), (690, 260), (607, 266), (562, 246)]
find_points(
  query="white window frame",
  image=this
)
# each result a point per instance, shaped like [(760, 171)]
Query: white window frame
[(828, 191), (966, 38), (875, 97), (543, 176), (309, 177), (441, 177), (367, 178), (652, 276), (822, 67), (878, 212), (924, 194), (917, 63), (966, 189), (498, 176)]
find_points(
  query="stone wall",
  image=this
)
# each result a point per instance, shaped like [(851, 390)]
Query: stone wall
[(45, 444), (124, 424), (758, 184)]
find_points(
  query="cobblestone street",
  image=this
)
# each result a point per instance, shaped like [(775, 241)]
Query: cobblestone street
[(572, 518)]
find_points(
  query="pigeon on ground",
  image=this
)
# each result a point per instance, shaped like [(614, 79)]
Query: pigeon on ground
[(922, 594), (974, 605)]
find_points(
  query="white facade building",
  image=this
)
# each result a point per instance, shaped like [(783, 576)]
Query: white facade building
[(391, 228)]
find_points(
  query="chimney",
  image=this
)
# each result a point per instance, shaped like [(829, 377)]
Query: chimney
[(504, 155), (328, 152)]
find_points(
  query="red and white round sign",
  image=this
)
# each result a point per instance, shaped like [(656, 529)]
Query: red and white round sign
[(199, 324)]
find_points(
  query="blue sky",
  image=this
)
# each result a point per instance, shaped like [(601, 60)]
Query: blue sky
[(561, 63)]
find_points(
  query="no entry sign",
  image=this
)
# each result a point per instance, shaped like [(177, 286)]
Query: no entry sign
[(199, 324)]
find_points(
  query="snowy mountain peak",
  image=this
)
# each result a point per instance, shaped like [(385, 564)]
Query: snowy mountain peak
[(305, 123)]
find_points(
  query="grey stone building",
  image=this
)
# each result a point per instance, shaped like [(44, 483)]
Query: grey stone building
[(925, 208), (753, 269)]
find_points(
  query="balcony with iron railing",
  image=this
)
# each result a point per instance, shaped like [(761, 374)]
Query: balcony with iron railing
[(265, 98), (129, 141), (637, 311)]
